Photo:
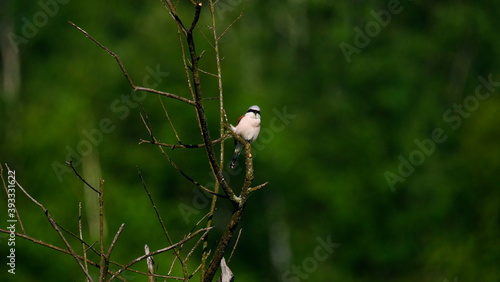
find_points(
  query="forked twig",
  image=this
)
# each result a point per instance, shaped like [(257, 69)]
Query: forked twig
[(231, 25), (146, 122), (56, 228), (181, 242), (64, 251), (124, 70)]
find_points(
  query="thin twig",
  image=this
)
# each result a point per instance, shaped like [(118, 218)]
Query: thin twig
[(196, 270), (198, 223), (80, 231), (104, 263), (157, 212), (211, 74), (56, 228), (193, 248), (172, 266), (70, 164), (235, 245), (160, 220), (148, 126), (78, 238), (170, 121), (171, 9), (206, 38), (147, 123), (258, 187), (124, 70), (56, 248), (199, 185), (125, 267), (115, 239), (231, 25), (185, 146), (50, 246), (7, 194)]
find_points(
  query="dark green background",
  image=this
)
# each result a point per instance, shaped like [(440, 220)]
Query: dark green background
[(333, 128)]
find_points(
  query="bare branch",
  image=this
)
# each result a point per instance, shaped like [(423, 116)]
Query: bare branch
[(223, 243), (124, 70), (193, 248), (70, 164), (200, 266), (171, 10), (115, 239), (80, 231), (128, 265), (215, 46), (199, 185), (160, 220), (235, 245), (231, 25), (56, 248), (104, 263), (200, 111), (211, 74), (185, 146), (169, 121), (196, 16), (147, 123), (154, 207), (258, 187), (206, 38), (56, 228)]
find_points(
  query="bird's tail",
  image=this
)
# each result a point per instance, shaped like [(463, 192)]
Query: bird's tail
[(237, 150)]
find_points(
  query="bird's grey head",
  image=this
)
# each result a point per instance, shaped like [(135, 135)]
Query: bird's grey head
[(254, 109)]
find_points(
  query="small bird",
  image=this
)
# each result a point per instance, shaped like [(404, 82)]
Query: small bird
[(248, 128)]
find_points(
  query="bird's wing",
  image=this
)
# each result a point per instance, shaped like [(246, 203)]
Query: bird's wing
[(240, 118)]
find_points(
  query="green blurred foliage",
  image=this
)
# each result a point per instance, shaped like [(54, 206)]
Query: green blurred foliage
[(333, 126)]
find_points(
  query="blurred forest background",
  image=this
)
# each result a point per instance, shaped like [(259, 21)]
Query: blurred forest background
[(379, 134)]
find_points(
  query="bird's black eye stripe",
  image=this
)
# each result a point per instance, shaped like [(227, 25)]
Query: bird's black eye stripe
[(253, 111)]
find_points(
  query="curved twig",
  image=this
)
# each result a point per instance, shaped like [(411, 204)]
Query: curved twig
[(127, 76)]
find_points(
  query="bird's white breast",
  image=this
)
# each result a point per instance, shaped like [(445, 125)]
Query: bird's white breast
[(248, 127)]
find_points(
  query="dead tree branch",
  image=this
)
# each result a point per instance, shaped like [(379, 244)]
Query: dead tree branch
[(56, 228), (127, 76)]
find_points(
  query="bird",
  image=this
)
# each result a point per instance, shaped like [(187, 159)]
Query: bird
[(248, 129)]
